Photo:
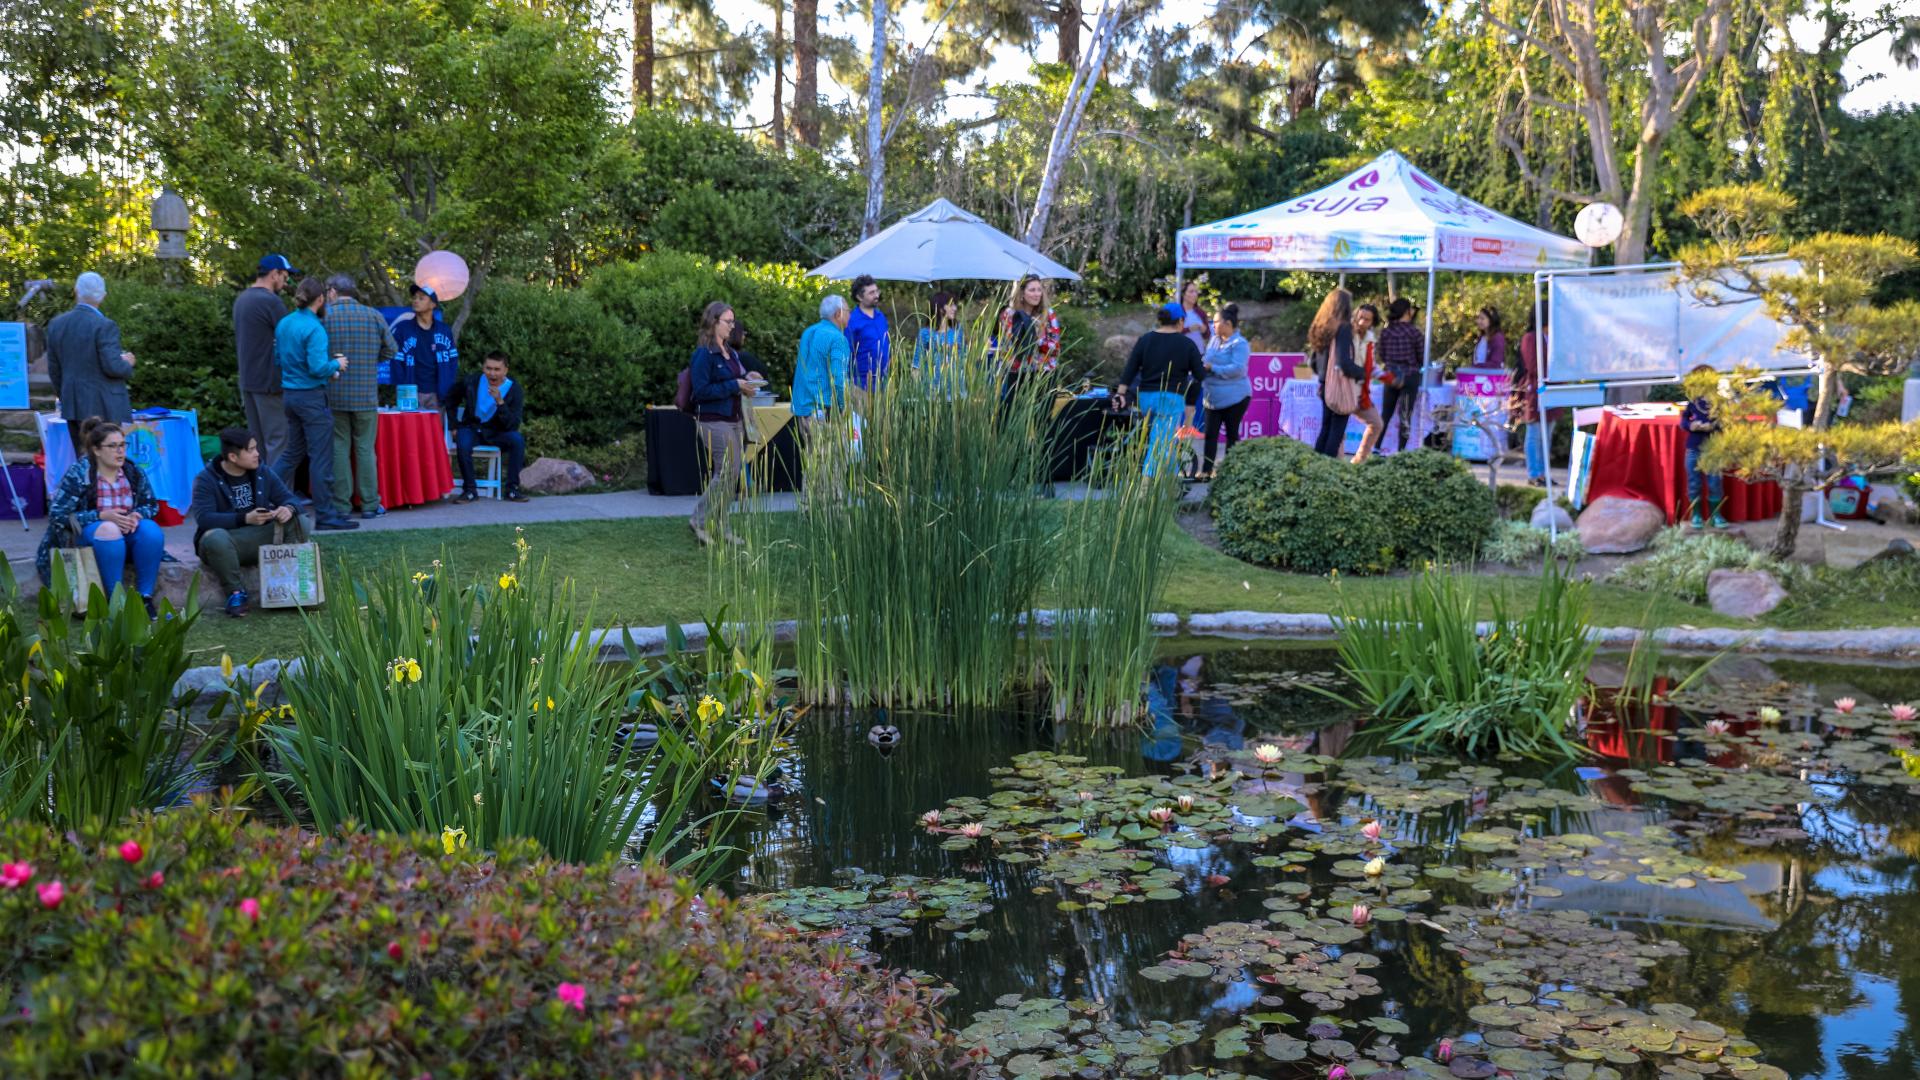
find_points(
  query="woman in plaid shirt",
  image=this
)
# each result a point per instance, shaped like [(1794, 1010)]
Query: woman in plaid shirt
[(1030, 332), (106, 503)]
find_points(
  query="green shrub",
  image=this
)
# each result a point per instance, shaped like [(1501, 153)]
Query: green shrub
[(1681, 560), (663, 294), (182, 337), (1278, 503), (224, 949), (1515, 502), (581, 366), (1516, 543)]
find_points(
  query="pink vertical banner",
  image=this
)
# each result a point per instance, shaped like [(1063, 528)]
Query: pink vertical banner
[(1268, 373)]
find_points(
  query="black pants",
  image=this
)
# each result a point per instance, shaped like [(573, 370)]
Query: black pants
[(1399, 399), (1228, 418), (1333, 432)]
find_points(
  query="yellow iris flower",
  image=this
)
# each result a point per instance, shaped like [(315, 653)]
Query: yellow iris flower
[(710, 709), (453, 839)]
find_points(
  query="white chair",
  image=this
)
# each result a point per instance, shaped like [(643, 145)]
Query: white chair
[(486, 464)]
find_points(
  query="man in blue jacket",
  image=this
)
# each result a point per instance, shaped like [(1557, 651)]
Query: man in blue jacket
[(424, 354), (486, 408), (300, 347), (868, 337)]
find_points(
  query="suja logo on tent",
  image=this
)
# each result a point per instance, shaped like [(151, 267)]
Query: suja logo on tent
[(1365, 180), (1425, 184)]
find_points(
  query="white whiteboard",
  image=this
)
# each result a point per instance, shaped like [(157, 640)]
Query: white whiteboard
[(1649, 325)]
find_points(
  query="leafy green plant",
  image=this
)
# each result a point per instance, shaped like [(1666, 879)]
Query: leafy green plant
[(1681, 560), (94, 733), (194, 944), (585, 370), (1516, 543), (483, 709), (1515, 502), (1420, 660), (1278, 503)]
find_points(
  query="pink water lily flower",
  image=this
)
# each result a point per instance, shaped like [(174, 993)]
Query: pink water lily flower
[(1266, 754), (972, 830), (1161, 815), (1337, 1072), (1371, 830), (1902, 713), (1718, 727), (1362, 915), (1445, 1052), (1185, 803), (572, 994), (1845, 704), (930, 819)]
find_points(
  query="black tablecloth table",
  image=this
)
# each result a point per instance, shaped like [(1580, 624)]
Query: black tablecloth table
[(1079, 427), (677, 463)]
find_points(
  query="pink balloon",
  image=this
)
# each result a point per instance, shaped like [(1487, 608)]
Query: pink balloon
[(443, 272)]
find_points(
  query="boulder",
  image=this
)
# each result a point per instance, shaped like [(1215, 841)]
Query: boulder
[(1544, 512), (1744, 594), (555, 476), (1612, 525), (1118, 346)]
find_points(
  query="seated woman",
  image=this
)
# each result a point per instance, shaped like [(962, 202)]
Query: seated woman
[(106, 503)]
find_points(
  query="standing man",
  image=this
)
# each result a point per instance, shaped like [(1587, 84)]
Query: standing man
[(300, 345), (1403, 352), (425, 356), (868, 338), (357, 332), (256, 311), (486, 411), (85, 363), (820, 369)]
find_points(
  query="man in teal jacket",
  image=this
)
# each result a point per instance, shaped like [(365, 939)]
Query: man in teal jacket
[(300, 347), (820, 370)]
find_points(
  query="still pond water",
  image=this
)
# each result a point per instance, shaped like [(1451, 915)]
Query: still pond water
[(1715, 892)]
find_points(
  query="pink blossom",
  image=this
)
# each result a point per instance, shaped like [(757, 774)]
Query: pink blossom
[(972, 830), (1718, 727), (1845, 704), (1185, 803), (1371, 830), (1337, 1072), (51, 894), (1903, 713), (1086, 796), (131, 852), (1362, 914), (394, 951), (15, 874), (573, 994), (251, 909), (1161, 815), (1445, 1052), (930, 819), (156, 879)]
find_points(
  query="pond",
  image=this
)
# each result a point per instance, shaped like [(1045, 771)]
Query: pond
[(1716, 891)]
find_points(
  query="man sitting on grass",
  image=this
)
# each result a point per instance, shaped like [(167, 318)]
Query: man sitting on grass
[(486, 412), (236, 505)]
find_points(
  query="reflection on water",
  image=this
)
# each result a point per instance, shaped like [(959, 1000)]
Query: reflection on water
[(1812, 952)]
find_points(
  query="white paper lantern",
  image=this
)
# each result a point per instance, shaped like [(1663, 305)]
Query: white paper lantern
[(443, 272), (1599, 224)]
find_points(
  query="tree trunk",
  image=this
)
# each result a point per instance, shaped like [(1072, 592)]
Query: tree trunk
[(1068, 24), (806, 71), (1784, 540), (876, 146), (475, 283), (1067, 127), (642, 54), (779, 74)]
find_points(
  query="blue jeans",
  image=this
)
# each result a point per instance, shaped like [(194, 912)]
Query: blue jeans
[(511, 445), (1163, 412), (310, 438), (111, 555), (1694, 479), (1536, 452)]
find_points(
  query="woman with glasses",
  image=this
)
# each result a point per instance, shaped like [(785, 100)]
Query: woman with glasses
[(105, 503)]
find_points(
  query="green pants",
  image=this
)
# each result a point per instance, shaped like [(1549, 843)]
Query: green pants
[(354, 431), (225, 551)]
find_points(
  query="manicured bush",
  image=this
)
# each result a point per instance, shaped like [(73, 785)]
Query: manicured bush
[(207, 947), (1515, 502), (581, 366), (1278, 503)]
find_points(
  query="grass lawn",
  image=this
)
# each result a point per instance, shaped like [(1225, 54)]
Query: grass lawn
[(647, 571)]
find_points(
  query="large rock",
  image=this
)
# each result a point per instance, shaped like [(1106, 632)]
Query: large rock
[(1744, 594), (555, 476), (1544, 512), (1611, 525)]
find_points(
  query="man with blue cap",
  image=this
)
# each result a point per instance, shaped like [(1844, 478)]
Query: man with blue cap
[(256, 312), (424, 354)]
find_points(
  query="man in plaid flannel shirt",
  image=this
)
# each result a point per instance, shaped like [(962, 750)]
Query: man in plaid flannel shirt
[(1402, 355), (359, 333)]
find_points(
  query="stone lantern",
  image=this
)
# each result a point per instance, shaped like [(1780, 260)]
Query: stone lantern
[(170, 220)]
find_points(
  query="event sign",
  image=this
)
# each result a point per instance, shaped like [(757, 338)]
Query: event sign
[(1479, 400), (13, 366), (1651, 326), (1268, 372)]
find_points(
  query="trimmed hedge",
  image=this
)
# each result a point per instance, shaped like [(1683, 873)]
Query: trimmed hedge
[(1278, 503), (182, 337), (217, 949), (585, 370)]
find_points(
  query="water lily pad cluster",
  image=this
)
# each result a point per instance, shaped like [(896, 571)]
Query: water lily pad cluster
[(867, 904), (1573, 1036), (1650, 855), (1511, 952), (1294, 955), (1050, 1037)]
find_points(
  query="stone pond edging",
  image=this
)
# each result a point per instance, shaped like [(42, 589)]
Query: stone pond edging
[(1888, 643)]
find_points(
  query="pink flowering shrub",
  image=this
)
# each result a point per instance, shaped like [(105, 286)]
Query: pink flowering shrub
[(275, 952)]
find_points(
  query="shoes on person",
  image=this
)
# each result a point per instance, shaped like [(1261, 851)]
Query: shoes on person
[(700, 533), (1698, 522), (237, 604), (153, 612), (336, 524), (469, 496), (369, 515), (1537, 481), (1720, 522), (518, 496)]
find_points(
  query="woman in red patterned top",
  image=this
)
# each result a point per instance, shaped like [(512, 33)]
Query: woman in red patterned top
[(1029, 331)]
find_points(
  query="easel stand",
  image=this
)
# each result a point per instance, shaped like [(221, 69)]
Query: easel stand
[(19, 504)]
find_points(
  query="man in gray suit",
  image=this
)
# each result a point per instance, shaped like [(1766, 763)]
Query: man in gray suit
[(85, 363)]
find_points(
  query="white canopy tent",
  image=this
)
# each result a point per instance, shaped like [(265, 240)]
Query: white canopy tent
[(941, 242), (1385, 216)]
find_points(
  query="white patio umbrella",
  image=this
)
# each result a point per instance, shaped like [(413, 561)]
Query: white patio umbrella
[(941, 242)]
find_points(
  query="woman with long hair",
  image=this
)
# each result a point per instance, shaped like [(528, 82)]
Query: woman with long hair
[(717, 379), (1194, 317), (1490, 348), (1330, 344), (939, 344), (1366, 334), (1227, 389), (1523, 401), (1029, 332), (106, 503)]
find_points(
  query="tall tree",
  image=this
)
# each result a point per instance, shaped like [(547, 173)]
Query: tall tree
[(779, 75), (643, 54), (806, 71), (876, 146), (1066, 128)]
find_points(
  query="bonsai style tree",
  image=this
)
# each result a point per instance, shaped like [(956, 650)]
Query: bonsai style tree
[(1828, 304)]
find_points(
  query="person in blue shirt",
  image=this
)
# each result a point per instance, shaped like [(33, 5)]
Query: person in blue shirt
[(939, 345), (300, 347), (424, 355), (820, 369), (868, 337), (1699, 424)]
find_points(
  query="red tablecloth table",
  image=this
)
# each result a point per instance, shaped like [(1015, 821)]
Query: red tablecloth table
[(1645, 457), (411, 448)]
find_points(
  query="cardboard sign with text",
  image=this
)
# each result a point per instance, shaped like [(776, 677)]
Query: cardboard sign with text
[(290, 576)]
